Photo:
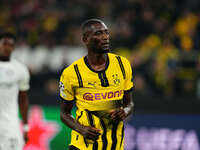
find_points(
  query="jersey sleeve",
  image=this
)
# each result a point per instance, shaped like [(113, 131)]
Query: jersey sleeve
[(24, 82), (128, 85), (66, 87)]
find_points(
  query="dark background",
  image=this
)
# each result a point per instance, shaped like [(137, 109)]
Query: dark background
[(161, 38)]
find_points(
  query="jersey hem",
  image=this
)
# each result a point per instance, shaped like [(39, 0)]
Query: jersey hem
[(72, 147), (127, 91), (66, 99)]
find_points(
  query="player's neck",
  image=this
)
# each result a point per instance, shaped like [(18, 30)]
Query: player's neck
[(97, 61), (4, 59)]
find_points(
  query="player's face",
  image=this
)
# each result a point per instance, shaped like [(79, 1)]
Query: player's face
[(98, 38), (6, 47)]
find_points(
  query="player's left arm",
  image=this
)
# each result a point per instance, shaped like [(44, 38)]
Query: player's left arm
[(123, 112), (128, 103), (23, 99), (23, 107)]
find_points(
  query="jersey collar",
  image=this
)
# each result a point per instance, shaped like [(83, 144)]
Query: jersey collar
[(88, 65)]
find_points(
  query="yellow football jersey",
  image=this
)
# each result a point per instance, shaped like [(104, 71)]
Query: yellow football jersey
[(96, 93)]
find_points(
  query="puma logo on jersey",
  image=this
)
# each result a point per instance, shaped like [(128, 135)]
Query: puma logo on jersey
[(92, 84)]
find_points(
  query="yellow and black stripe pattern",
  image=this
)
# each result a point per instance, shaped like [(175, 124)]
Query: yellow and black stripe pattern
[(98, 92), (121, 66), (78, 76), (103, 79), (111, 138)]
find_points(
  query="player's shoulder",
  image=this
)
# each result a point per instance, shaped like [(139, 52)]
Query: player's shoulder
[(118, 57), (71, 67), (18, 64)]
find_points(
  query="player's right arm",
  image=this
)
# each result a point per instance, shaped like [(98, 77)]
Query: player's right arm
[(66, 117), (66, 105)]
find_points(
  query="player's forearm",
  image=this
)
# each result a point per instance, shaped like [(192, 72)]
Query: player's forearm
[(23, 105), (128, 103), (70, 121)]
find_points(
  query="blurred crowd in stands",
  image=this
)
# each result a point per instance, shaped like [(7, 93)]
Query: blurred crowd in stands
[(161, 38)]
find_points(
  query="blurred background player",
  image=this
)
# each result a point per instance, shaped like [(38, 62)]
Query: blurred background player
[(101, 86), (14, 84)]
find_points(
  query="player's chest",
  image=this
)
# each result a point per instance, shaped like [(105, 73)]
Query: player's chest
[(110, 79), (8, 75)]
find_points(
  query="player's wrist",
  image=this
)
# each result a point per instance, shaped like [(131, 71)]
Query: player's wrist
[(79, 128), (26, 128), (127, 110)]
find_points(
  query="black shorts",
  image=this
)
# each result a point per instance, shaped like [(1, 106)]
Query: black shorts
[(71, 147)]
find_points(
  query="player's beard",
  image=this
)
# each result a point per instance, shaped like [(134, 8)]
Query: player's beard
[(4, 54), (4, 58), (99, 48), (101, 51)]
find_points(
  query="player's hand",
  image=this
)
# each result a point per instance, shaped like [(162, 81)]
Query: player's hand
[(26, 137), (118, 115), (89, 132)]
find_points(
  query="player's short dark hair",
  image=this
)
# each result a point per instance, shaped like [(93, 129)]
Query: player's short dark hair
[(90, 22), (8, 35)]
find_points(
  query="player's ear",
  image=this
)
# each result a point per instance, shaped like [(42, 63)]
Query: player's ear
[(84, 38)]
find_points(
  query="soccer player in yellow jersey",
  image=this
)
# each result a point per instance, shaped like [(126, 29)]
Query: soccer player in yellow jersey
[(100, 84)]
